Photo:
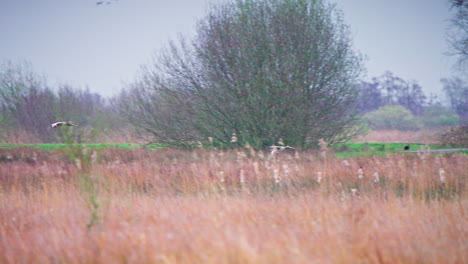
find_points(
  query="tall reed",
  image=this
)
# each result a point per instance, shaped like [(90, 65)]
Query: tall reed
[(207, 206)]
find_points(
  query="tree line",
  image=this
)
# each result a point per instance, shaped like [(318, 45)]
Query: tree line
[(390, 102), (28, 105), (257, 71)]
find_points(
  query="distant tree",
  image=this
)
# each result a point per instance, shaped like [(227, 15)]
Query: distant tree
[(392, 117), (389, 89), (456, 90), (16, 80), (433, 100), (79, 105), (35, 113), (457, 35), (437, 115), (263, 69), (370, 96), (27, 103), (89, 110), (400, 92)]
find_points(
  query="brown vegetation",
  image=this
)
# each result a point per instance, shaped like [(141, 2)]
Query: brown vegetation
[(455, 136), (424, 136), (170, 206)]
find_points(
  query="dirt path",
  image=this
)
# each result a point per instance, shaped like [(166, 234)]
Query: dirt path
[(437, 150)]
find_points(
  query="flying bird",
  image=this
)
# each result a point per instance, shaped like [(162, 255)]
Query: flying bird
[(280, 147), (104, 2), (275, 150), (62, 123)]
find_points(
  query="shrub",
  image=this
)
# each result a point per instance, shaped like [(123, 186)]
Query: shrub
[(455, 136), (392, 117), (437, 115)]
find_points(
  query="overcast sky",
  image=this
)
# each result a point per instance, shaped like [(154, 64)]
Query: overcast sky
[(103, 46)]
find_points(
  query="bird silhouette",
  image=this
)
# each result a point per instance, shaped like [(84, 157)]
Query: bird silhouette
[(275, 150), (280, 147), (105, 2), (62, 123)]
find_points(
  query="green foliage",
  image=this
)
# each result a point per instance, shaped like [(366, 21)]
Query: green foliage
[(373, 146), (82, 145), (347, 150), (2, 125), (456, 90), (262, 69), (437, 115), (392, 117)]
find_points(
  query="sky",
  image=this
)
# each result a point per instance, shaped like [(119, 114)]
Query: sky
[(102, 47)]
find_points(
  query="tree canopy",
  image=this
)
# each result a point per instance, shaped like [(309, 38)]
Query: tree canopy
[(263, 69), (458, 33)]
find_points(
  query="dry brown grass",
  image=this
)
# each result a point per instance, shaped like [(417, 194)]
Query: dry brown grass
[(174, 206), (424, 136)]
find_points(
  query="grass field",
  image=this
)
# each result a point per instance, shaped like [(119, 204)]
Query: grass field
[(86, 204), (62, 146), (344, 150)]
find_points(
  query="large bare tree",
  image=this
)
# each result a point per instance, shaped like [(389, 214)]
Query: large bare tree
[(457, 35), (262, 69)]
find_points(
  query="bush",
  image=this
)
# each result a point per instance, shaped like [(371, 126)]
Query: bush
[(437, 115), (392, 117), (455, 136)]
